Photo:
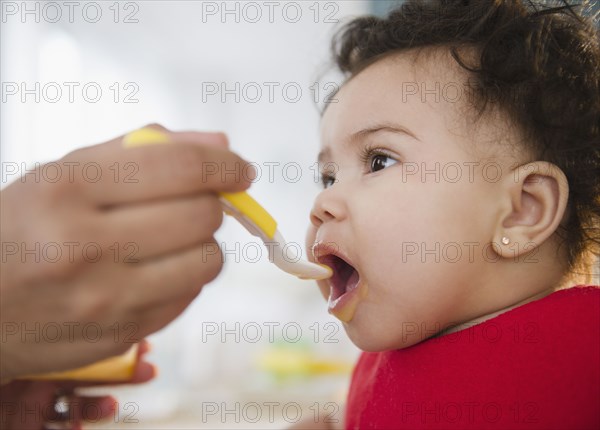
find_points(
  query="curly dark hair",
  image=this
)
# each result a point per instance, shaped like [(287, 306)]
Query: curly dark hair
[(538, 63)]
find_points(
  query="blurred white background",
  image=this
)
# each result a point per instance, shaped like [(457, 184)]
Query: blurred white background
[(168, 62)]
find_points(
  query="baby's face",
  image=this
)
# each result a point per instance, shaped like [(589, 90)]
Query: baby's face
[(407, 206)]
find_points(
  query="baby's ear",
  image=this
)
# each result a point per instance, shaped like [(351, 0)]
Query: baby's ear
[(537, 194)]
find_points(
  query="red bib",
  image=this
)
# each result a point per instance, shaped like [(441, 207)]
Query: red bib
[(534, 367)]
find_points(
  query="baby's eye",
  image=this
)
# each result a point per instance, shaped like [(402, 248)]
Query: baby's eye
[(380, 162), (327, 180), (376, 160)]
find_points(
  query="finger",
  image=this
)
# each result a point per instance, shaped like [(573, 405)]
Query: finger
[(93, 408), (217, 138), (37, 397), (167, 171), (124, 176), (143, 348), (144, 372), (171, 278), (165, 226), (157, 317), (211, 138)]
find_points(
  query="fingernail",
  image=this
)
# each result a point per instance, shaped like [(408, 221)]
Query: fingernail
[(212, 138)]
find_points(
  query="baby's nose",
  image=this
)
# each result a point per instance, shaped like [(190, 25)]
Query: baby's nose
[(330, 205)]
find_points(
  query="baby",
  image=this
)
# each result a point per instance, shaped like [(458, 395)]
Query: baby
[(461, 164)]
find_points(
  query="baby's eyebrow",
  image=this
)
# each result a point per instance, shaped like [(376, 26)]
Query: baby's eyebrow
[(361, 134), (393, 128)]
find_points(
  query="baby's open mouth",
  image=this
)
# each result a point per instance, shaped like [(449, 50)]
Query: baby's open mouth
[(346, 289), (345, 277)]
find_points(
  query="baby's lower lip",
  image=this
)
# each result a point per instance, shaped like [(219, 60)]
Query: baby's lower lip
[(344, 306)]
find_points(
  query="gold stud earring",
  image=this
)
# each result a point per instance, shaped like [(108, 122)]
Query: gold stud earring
[(505, 240)]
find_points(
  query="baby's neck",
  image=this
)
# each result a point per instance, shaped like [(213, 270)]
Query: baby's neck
[(486, 317)]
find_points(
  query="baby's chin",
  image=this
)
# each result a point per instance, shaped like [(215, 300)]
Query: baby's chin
[(369, 334), (366, 332), (375, 344)]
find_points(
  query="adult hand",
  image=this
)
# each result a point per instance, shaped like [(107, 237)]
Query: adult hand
[(31, 405), (110, 249)]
